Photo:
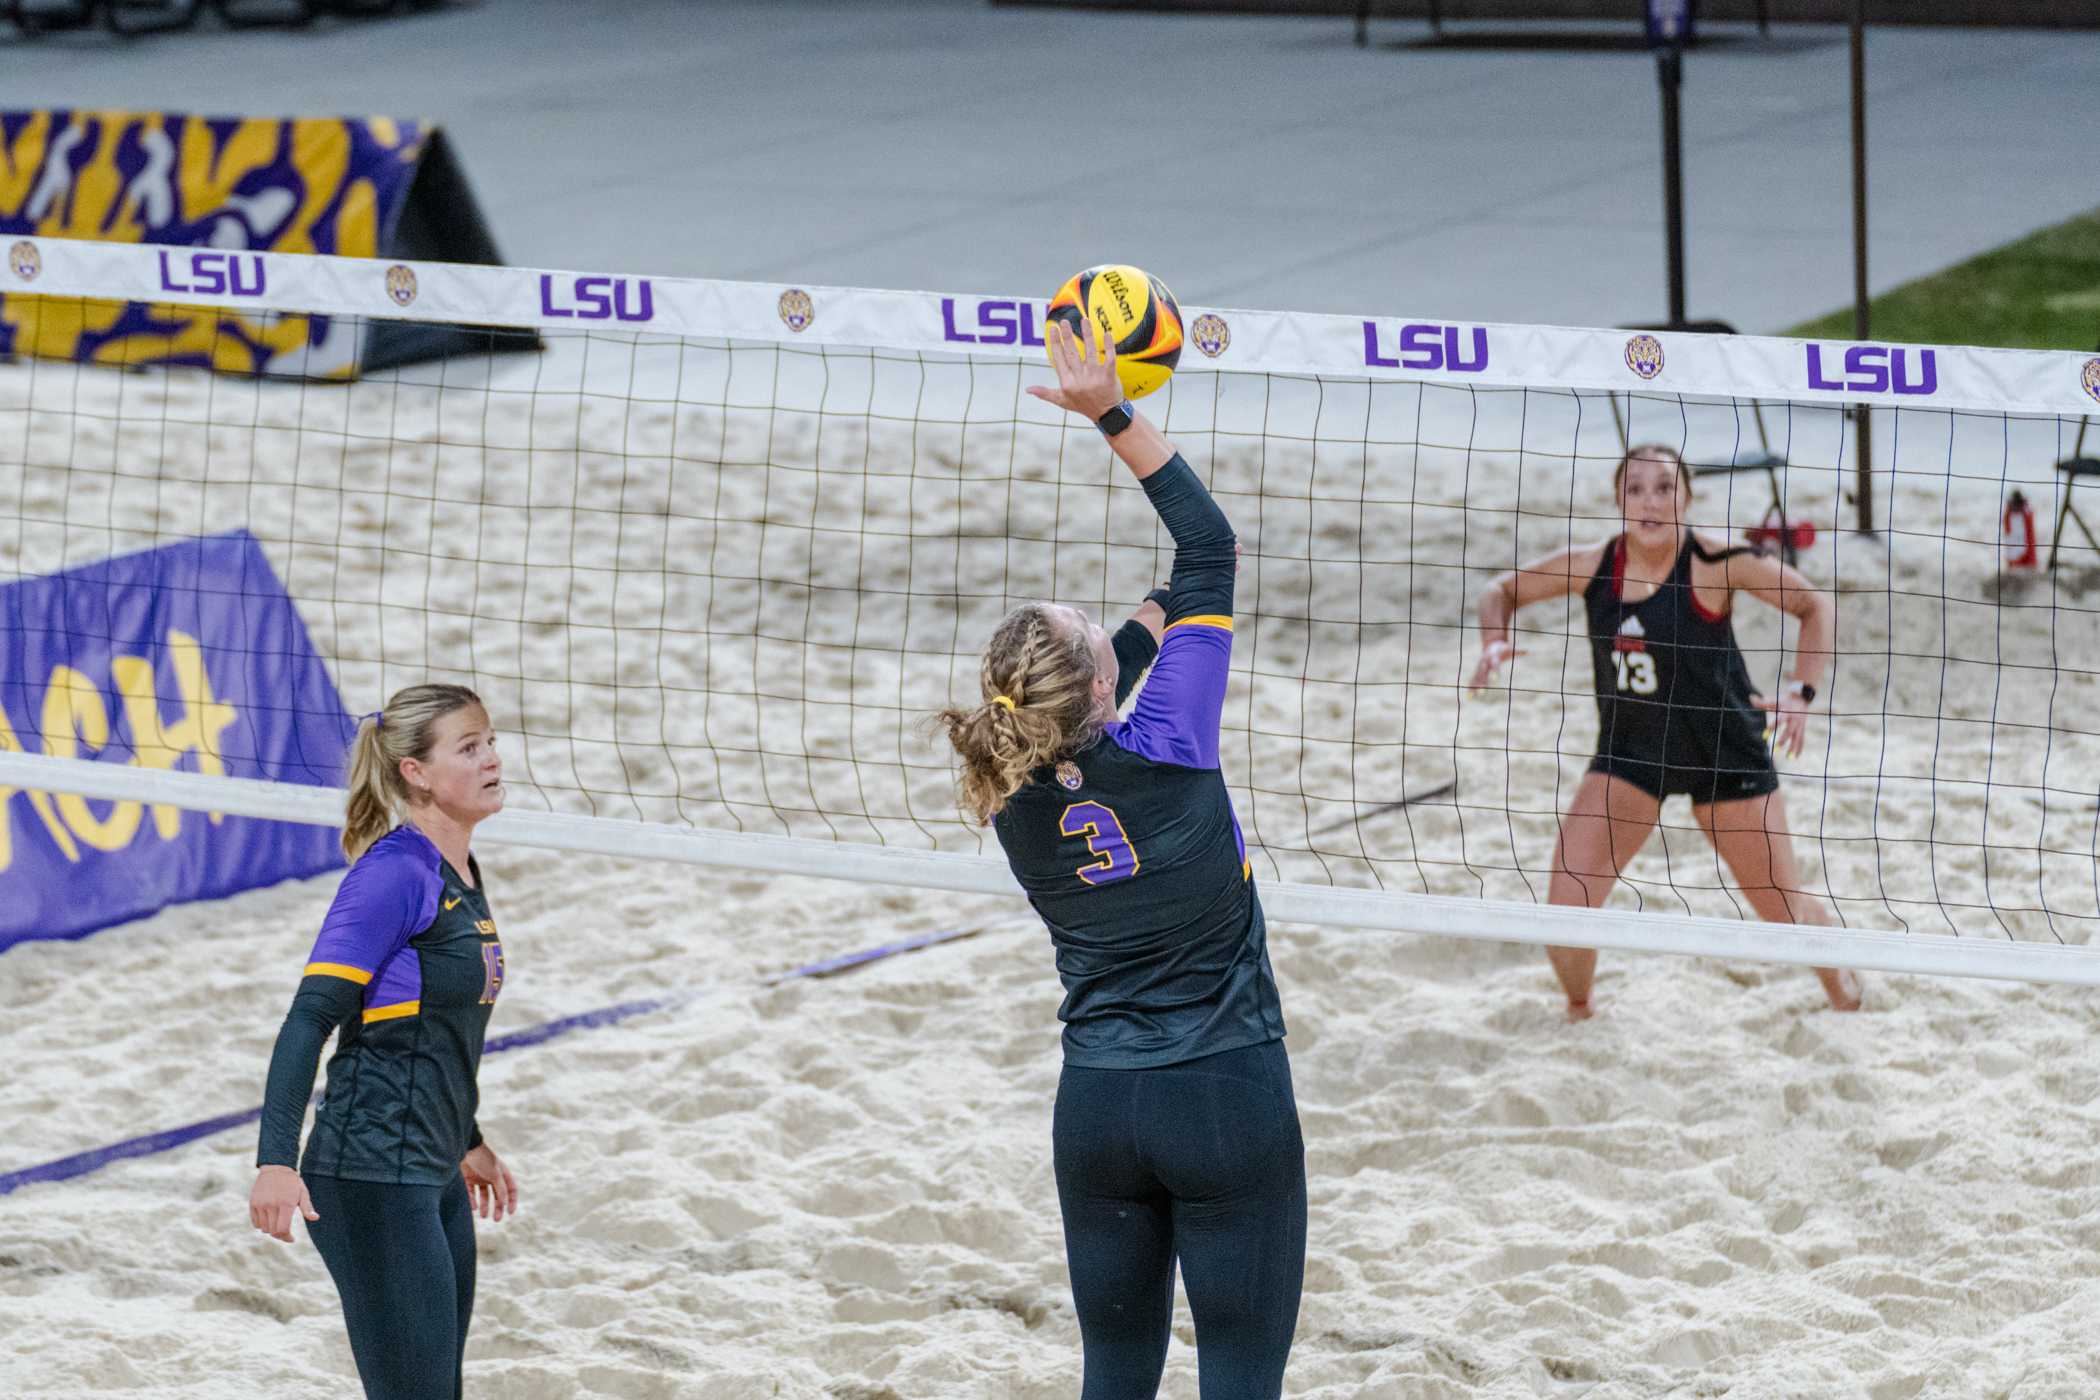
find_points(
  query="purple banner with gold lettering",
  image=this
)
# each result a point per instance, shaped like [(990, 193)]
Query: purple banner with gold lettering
[(224, 186), (188, 657)]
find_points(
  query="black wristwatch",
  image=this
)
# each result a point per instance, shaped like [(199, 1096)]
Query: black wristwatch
[(1116, 419), (1802, 690)]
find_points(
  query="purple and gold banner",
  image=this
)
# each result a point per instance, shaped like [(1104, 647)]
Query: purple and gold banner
[(228, 186), (187, 657)]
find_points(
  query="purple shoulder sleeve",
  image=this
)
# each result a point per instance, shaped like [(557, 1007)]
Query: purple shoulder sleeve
[(388, 897), (1177, 715)]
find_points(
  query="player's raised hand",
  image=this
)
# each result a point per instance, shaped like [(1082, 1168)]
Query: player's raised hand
[(278, 1195), (1086, 371), (1492, 657)]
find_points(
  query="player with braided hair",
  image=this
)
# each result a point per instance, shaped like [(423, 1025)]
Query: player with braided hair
[(1175, 1135)]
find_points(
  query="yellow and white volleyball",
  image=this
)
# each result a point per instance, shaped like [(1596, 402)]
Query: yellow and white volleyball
[(1135, 311)]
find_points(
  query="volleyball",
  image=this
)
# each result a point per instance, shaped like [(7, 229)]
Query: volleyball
[(1136, 311)]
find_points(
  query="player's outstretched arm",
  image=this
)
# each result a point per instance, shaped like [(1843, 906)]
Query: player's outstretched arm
[(1203, 540), (1087, 385), (1177, 718), (1771, 580), (1550, 576)]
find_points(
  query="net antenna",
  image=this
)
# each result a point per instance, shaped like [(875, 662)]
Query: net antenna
[(715, 556)]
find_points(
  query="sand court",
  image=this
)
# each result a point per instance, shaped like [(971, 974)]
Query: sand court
[(688, 603), (842, 1187)]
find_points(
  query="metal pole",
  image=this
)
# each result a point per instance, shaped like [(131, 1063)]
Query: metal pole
[(1669, 70), (1863, 417)]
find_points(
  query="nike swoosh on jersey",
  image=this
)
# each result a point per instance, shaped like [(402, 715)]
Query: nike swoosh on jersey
[(453, 903)]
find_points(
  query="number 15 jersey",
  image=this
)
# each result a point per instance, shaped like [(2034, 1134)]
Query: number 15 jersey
[(1130, 851)]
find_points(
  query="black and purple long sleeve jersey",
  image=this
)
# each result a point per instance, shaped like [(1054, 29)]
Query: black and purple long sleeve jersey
[(1129, 848), (405, 972)]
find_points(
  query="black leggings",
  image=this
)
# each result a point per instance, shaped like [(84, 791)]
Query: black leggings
[(403, 1260), (1200, 1160)]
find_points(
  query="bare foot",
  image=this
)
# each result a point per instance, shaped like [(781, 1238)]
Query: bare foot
[(1842, 986), (1579, 1011)]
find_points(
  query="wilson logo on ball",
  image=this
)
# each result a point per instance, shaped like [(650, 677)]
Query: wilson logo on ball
[(1137, 314)]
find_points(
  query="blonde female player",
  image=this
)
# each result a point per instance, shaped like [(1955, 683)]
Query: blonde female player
[(1175, 1135), (405, 972), (1676, 712)]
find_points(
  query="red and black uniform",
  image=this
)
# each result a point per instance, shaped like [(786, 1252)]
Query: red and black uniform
[(1674, 711)]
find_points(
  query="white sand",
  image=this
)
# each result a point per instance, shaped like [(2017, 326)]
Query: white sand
[(842, 1188)]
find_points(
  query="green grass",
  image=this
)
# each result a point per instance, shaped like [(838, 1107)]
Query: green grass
[(2041, 292)]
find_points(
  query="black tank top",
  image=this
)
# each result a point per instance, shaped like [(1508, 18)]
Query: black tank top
[(1672, 687)]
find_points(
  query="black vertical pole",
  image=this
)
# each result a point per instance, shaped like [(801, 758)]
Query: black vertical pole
[(1669, 70), (1862, 416)]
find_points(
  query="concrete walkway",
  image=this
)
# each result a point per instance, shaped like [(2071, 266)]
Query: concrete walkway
[(1260, 162)]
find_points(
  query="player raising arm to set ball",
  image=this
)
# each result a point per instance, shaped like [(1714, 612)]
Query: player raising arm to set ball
[(405, 971), (1676, 712), (1175, 1133)]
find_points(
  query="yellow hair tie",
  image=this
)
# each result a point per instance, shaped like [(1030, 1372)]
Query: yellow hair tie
[(1003, 700)]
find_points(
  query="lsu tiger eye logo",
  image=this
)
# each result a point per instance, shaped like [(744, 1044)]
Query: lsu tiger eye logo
[(796, 309), (401, 284), (2090, 378), (1644, 356), (1210, 334), (1069, 777), (25, 260)]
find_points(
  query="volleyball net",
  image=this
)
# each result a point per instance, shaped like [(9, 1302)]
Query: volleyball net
[(715, 554)]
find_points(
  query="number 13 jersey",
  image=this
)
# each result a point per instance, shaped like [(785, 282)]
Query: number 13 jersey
[(1672, 688)]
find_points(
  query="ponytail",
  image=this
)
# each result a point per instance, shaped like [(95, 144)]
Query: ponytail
[(406, 728), (1037, 679)]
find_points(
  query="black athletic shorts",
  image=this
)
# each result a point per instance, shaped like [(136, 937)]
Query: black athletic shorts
[(1702, 785)]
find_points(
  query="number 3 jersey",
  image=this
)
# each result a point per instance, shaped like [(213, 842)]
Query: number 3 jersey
[(1129, 849), (405, 971), (1672, 687)]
